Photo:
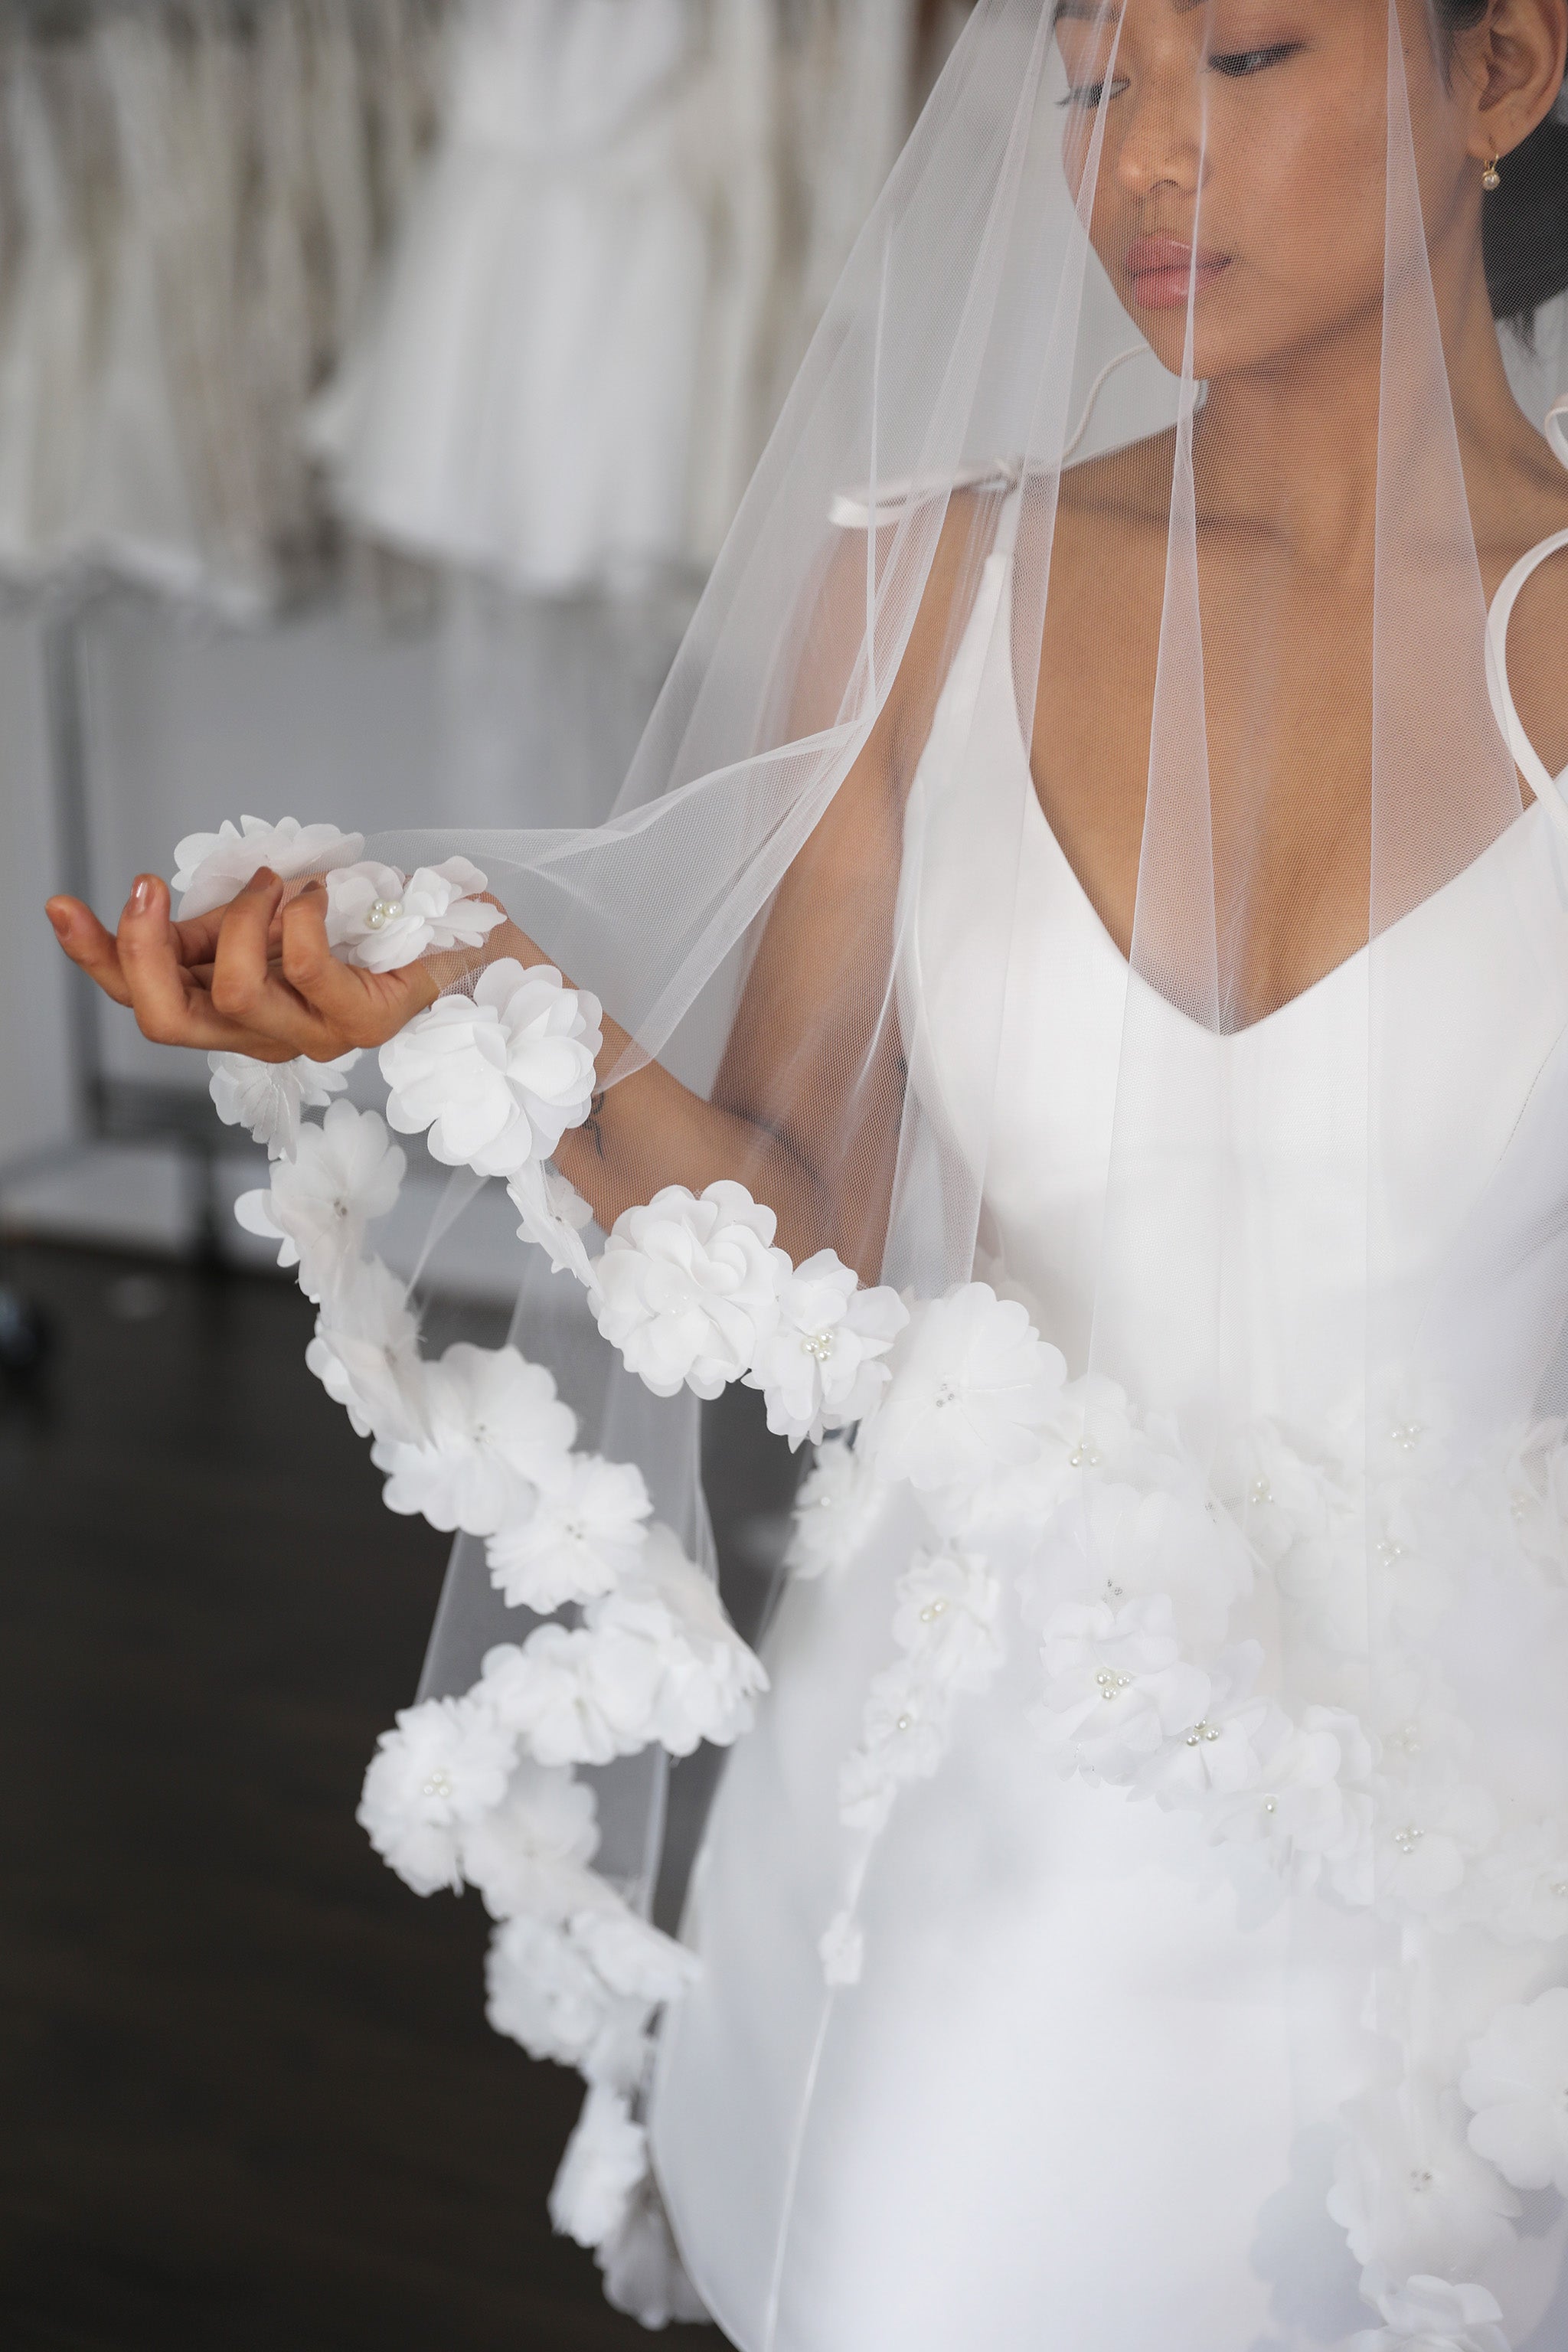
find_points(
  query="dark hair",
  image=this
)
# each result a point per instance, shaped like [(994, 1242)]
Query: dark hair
[(1525, 224)]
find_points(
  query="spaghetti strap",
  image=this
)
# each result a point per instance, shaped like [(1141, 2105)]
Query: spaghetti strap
[(1532, 767)]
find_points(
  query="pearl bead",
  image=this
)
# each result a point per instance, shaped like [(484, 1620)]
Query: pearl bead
[(1260, 1491), (819, 1344), (381, 912), (905, 1722)]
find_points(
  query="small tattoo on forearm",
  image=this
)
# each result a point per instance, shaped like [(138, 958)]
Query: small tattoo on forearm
[(591, 1124)]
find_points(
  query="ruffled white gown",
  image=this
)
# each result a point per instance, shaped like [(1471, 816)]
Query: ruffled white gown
[(1080, 2099)]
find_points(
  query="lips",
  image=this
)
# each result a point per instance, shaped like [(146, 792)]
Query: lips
[(1164, 269)]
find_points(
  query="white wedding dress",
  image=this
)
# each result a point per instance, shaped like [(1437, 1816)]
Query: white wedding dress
[(1080, 2102)]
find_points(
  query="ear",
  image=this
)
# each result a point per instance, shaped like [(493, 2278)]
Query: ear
[(1512, 68)]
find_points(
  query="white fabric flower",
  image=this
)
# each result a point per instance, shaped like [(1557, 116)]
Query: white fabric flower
[(444, 1765), (903, 1737), (1308, 1814), (604, 2165), (532, 1851), (840, 1499), (972, 1383), (575, 1697), (842, 1949), (554, 1214), (711, 1678), (633, 1957), (1432, 2315), (643, 2272), (656, 1660), (1524, 1886), (542, 1991), (1517, 2083), (499, 1076), (584, 1533), (947, 1604), (211, 868), (1117, 1685), (1091, 1424), (343, 1173), (1120, 1542), (267, 1098), (688, 1289), (380, 921), (365, 1353), (496, 1430), (1429, 1839), (820, 1367), (1410, 2193)]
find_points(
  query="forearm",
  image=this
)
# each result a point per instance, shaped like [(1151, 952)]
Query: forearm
[(647, 1131)]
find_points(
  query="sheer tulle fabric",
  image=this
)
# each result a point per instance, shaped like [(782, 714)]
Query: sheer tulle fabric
[(1224, 1467)]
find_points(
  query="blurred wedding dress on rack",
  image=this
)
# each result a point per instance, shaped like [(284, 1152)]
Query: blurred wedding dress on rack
[(195, 192), (598, 297)]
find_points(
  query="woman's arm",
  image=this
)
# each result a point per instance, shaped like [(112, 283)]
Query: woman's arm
[(805, 1109)]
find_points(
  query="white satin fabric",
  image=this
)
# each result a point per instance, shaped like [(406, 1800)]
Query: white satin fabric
[(1079, 2099)]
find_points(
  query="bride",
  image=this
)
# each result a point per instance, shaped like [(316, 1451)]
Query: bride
[(1085, 945)]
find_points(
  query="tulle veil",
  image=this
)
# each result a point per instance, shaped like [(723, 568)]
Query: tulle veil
[(964, 417)]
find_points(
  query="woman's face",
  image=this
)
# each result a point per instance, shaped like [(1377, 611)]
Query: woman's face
[(1244, 155)]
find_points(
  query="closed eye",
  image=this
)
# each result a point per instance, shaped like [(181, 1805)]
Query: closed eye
[(1236, 64)]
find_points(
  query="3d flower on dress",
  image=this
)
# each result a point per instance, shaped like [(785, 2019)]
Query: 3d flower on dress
[(1431, 2314), (972, 1383), (821, 1366), (1516, 2082), (1410, 2192), (838, 1503)]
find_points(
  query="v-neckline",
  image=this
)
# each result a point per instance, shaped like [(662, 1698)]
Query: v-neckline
[(1500, 608)]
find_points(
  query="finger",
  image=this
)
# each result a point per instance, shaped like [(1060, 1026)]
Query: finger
[(353, 1007), (239, 975), (168, 1008), (88, 945)]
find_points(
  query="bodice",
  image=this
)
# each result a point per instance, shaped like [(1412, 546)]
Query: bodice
[(1217, 1219)]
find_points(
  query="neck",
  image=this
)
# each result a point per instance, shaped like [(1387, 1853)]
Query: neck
[(1295, 448)]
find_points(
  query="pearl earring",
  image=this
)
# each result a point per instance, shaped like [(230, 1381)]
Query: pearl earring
[(1491, 178)]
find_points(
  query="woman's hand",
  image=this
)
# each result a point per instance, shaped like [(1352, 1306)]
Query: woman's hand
[(254, 977)]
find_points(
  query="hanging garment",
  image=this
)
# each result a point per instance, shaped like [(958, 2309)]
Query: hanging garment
[(199, 192), (525, 400)]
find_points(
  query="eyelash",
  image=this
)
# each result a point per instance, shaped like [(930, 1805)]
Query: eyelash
[(1237, 65)]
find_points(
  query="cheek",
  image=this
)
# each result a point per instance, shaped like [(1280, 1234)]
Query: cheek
[(1300, 194)]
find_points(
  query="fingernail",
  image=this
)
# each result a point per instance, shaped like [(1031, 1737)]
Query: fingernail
[(140, 896), (315, 883), (262, 879)]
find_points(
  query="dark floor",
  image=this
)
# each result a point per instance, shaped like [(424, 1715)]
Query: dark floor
[(250, 2100)]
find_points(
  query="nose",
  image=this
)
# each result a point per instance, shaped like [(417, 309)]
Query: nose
[(1161, 141)]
